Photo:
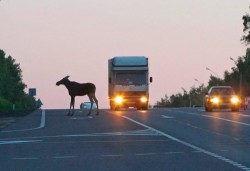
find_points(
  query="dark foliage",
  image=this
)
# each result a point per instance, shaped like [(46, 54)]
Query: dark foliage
[(246, 23), (12, 86)]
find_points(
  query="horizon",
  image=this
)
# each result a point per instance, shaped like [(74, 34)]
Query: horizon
[(53, 39)]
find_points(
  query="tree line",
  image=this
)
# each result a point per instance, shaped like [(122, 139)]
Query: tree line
[(238, 78), (12, 86)]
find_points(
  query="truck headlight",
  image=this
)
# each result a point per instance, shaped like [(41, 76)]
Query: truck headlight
[(215, 100), (118, 99), (144, 99), (234, 100)]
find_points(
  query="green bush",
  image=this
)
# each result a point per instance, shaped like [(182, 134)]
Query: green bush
[(5, 105)]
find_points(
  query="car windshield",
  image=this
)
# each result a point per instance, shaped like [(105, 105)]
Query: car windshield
[(222, 91)]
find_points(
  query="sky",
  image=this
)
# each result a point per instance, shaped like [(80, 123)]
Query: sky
[(51, 39)]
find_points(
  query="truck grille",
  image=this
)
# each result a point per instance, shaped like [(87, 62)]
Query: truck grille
[(132, 93)]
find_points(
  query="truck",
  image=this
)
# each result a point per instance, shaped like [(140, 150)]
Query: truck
[(128, 82)]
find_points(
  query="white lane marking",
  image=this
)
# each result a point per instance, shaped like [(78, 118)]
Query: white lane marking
[(42, 125), (63, 157), (76, 118), (167, 117), (228, 120), (112, 155), (229, 161), (145, 154), (144, 132), (208, 116), (202, 110), (244, 115), (25, 158), (18, 142)]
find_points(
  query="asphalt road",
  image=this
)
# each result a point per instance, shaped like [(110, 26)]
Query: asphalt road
[(159, 139)]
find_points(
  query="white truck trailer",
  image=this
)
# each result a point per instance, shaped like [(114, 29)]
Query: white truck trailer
[(129, 80)]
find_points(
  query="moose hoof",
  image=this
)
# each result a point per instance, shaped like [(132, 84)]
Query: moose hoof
[(97, 113)]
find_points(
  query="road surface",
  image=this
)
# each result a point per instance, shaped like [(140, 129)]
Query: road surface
[(158, 139)]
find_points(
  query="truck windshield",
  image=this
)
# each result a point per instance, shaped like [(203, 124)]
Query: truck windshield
[(131, 79)]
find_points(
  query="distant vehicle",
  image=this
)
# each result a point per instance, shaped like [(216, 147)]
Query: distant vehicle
[(86, 105), (221, 97), (129, 82)]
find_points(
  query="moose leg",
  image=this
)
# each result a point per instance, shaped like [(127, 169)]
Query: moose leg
[(72, 102), (70, 106), (73, 105), (91, 100), (96, 101)]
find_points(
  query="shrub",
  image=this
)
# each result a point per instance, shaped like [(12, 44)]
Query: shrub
[(5, 105)]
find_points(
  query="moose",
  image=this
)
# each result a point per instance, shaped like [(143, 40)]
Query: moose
[(79, 89)]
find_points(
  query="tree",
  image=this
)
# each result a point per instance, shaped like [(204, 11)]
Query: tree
[(215, 81), (239, 77), (246, 23), (2, 71), (197, 95), (164, 102), (186, 99), (12, 86)]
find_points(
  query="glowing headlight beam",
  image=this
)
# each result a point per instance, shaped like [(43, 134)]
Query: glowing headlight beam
[(144, 99), (215, 100), (234, 100), (118, 99)]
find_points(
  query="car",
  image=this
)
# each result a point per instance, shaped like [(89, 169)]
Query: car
[(87, 105), (221, 97)]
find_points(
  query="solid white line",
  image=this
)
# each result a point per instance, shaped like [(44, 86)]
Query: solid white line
[(229, 161), (42, 125)]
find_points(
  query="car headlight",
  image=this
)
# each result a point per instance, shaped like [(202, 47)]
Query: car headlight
[(235, 100), (119, 99), (144, 99), (215, 100)]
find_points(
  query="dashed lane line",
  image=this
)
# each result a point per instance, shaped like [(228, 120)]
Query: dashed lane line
[(64, 157), (19, 142), (26, 158), (208, 116), (229, 161), (167, 117)]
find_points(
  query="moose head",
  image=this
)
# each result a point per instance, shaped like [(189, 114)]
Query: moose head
[(63, 81)]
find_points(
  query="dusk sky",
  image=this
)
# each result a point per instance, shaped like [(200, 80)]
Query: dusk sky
[(51, 39)]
